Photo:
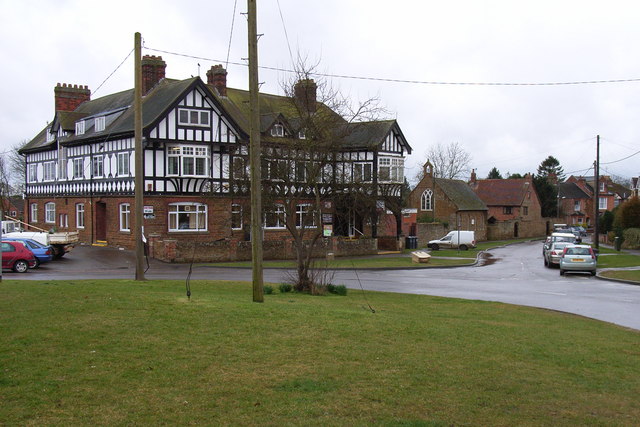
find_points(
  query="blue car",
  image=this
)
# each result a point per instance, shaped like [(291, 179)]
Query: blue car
[(42, 253)]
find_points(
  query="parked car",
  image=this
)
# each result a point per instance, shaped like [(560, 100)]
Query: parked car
[(578, 258), (459, 239), (17, 257), (553, 254), (42, 253), (558, 237), (578, 230)]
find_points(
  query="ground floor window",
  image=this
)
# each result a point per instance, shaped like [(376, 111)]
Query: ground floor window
[(304, 216), (34, 212), (187, 217), (63, 220), (80, 215), (125, 216), (50, 213), (275, 218), (236, 217)]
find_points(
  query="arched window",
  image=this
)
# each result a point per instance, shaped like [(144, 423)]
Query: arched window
[(426, 201)]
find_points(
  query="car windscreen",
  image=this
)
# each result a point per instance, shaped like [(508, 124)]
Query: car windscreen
[(578, 251)]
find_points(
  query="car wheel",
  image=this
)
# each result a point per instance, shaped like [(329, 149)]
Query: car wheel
[(464, 248), (20, 266), (37, 264), (435, 247), (561, 272)]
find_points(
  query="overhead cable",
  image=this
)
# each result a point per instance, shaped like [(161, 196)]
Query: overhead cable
[(422, 82)]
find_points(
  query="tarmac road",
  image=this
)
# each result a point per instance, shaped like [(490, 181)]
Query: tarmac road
[(514, 274)]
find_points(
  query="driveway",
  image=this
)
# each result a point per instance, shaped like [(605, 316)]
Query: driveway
[(514, 275)]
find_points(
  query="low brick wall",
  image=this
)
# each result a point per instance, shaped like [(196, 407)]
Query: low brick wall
[(512, 229), (186, 250)]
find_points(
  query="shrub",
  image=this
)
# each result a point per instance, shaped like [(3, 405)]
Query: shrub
[(285, 287), (632, 238), (337, 289), (268, 290), (627, 215)]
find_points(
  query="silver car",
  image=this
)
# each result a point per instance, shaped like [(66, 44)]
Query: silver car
[(578, 258), (552, 255)]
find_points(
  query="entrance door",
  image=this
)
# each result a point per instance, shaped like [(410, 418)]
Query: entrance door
[(101, 221), (515, 230)]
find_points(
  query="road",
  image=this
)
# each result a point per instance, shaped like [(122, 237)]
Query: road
[(514, 274)]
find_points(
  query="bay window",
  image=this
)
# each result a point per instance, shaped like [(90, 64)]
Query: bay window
[(187, 216)]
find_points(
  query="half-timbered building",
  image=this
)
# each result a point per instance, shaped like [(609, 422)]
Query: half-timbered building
[(80, 168)]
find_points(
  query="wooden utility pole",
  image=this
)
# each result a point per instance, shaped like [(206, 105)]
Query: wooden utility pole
[(139, 178), (254, 157), (596, 194)]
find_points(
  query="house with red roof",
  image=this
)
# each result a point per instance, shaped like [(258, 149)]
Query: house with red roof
[(513, 207)]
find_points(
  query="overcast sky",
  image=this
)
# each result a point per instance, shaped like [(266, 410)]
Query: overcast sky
[(513, 128)]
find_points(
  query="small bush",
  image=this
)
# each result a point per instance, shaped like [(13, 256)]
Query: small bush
[(285, 287), (631, 238), (268, 290), (337, 289)]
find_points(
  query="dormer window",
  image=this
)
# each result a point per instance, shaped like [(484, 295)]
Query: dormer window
[(50, 136), (80, 127), (602, 189), (99, 124), (188, 117), (277, 130)]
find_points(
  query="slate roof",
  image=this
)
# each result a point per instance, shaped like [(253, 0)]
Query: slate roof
[(570, 190), (503, 192), (461, 194), (167, 93)]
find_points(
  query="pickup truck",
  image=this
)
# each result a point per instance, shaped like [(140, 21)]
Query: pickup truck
[(61, 241)]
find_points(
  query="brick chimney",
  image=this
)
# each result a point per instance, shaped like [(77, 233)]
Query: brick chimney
[(305, 94), (68, 98), (473, 177), (217, 77), (153, 68)]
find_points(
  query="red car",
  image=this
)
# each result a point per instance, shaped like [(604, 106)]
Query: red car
[(17, 257)]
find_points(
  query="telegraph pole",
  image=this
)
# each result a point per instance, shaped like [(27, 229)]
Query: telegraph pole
[(596, 193), (254, 157), (139, 179)]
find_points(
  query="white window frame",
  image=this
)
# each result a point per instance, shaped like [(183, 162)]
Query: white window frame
[(78, 168), (602, 203), (49, 171), (602, 187), (80, 127), (99, 124), (194, 117), (181, 209), (63, 220), (576, 205), (276, 219), (80, 215), (182, 159), (33, 214), (426, 200), (236, 212), (97, 166), (124, 167), (62, 162), (33, 172), (384, 169), (362, 172), (277, 130), (302, 212), (50, 213), (124, 214)]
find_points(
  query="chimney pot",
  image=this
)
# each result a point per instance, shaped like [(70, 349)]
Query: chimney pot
[(217, 77), (305, 94), (68, 97), (153, 70)]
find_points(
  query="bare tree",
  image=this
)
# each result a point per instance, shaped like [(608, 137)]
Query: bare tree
[(307, 175), (16, 169), (449, 161)]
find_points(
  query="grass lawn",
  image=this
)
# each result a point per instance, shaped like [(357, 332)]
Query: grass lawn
[(618, 259), (633, 275), (127, 353)]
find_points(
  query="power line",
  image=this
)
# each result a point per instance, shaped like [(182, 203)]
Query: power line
[(422, 82), (233, 20), (284, 27), (113, 72)]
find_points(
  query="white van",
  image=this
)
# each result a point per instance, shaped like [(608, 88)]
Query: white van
[(455, 239)]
